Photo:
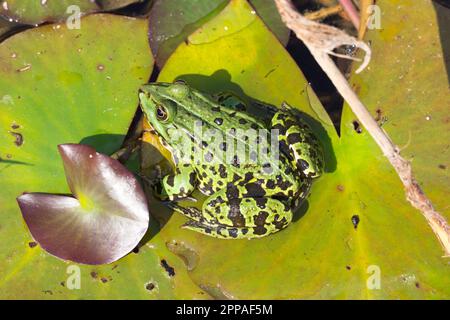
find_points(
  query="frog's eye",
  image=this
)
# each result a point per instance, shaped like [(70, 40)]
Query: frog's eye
[(161, 113)]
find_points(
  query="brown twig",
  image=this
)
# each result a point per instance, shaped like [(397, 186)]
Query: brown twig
[(320, 40), (324, 13)]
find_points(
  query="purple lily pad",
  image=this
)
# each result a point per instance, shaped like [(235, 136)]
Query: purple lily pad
[(104, 220)]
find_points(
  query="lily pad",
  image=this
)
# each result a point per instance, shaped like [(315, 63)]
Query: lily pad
[(415, 80), (171, 22), (36, 12), (71, 86), (355, 237), (106, 218)]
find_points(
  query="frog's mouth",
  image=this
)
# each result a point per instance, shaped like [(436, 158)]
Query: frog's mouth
[(149, 109)]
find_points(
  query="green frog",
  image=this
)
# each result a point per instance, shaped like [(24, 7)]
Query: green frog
[(246, 198)]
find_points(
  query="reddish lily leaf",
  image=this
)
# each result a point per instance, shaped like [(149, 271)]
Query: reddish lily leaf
[(106, 218)]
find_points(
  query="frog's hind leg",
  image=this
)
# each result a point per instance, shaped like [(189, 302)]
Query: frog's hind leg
[(249, 218), (298, 140)]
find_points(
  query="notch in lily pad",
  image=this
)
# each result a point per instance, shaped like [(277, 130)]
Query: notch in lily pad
[(103, 221)]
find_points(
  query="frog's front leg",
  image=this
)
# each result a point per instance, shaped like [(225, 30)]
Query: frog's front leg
[(179, 185), (298, 140)]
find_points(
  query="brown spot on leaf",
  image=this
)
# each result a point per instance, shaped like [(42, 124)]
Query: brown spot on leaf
[(18, 138), (150, 286), (355, 221), (442, 166), (348, 267), (32, 244), (357, 127), (340, 188), (94, 275), (170, 271)]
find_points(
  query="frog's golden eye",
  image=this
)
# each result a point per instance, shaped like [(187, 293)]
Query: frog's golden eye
[(161, 113)]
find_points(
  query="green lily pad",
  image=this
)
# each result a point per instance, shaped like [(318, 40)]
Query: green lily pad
[(355, 237), (172, 21), (36, 12), (71, 86), (415, 82)]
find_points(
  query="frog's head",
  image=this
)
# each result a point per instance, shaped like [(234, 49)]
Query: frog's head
[(160, 103)]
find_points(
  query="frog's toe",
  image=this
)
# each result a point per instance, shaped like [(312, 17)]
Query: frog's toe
[(190, 212)]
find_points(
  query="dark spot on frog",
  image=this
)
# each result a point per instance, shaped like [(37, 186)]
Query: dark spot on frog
[(235, 214), (255, 190), (170, 180), (15, 126), (215, 109), (261, 202), (355, 221), (232, 191), (18, 138), (233, 232), (62, 283), (267, 168), (104, 280), (242, 121), (254, 126), (294, 138), (340, 188), (417, 285), (208, 156), (302, 164), (280, 224), (222, 171), (270, 184), (357, 127), (223, 146), (50, 292), (94, 274), (32, 244), (150, 286), (348, 267), (170, 271), (192, 178), (236, 162), (442, 166)]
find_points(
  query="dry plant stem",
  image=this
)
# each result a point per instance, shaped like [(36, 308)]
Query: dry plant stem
[(414, 194), (351, 12), (323, 13)]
